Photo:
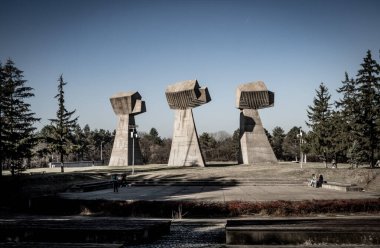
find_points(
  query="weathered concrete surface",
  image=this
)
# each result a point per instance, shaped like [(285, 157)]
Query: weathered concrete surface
[(126, 106), (254, 95), (185, 150), (254, 144), (186, 94), (182, 97), (341, 186), (304, 231)]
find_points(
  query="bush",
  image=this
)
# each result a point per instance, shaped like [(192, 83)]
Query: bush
[(198, 209)]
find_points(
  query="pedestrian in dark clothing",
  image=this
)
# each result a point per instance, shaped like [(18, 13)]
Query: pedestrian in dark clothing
[(124, 180), (320, 181), (115, 183)]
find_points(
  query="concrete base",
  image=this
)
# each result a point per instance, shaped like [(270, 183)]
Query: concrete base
[(185, 150), (122, 151), (254, 144), (341, 186), (364, 231)]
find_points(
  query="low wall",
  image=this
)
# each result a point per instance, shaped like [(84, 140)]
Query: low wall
[(76, 164), (302, 231)]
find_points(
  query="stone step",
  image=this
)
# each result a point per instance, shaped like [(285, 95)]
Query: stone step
[(304, 231), (58, 245), (81, 230), (341, 186)]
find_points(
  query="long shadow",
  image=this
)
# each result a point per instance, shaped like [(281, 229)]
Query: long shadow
[(161, 188), (226, 164)]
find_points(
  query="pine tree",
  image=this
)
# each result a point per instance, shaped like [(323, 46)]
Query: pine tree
[(344, 117), (17, 119), (236, 145), (368, 114), (79, 143), (208, 144), (320, 123), (63, 125), (156, 139), (291, 146)]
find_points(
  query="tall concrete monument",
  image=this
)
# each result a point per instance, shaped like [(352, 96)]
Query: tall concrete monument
[(183, 97), (126, 149), (254, 144)]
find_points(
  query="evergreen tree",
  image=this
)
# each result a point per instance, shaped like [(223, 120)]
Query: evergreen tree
[(17, 119), (344, 117), (207, 144), (269, 136), (236, 145), (63, 125), (290, 146), (320, 123), (278, 136), (153, 133), (80, 145), (153, 148), (45, 148), (368, 115), (353, 154), (339, 137), (88, 143)]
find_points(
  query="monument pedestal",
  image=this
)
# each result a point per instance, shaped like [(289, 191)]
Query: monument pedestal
[(185, 150), (122, 151), (254, 144), (126, 149)]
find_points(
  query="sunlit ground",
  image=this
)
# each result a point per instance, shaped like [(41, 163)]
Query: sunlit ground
[(284, 170)]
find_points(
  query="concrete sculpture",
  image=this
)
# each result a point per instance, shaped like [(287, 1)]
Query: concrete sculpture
[(254, 144), (183, 97), (126, 150)]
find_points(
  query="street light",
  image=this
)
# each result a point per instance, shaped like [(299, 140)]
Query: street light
[(301, 155), (101, 151), (133, 137)]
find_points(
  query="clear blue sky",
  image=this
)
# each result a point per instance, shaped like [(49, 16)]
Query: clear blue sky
[(105, 47)]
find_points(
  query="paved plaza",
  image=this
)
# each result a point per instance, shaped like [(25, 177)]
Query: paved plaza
[(220, 193)]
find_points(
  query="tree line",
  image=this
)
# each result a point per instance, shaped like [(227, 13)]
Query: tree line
[(20, 143), (347, 130)]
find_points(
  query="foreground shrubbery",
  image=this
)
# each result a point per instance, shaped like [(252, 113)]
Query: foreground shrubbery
[(187, 209)]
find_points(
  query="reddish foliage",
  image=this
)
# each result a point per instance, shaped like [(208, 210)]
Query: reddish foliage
[(197, 209)]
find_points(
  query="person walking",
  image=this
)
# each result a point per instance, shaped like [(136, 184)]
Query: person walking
[(115, 183)]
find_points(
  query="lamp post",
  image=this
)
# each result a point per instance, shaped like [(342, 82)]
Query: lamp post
[(133, 137), (101, 151), (301, 155)]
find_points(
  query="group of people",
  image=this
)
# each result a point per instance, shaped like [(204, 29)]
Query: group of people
[(116, 183), (314, 182)]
